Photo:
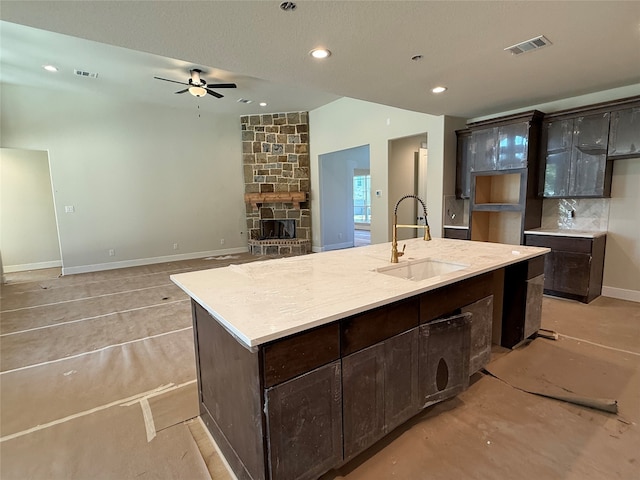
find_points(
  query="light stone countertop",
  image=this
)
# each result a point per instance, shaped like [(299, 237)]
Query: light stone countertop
[(566, 232), (262, 301)]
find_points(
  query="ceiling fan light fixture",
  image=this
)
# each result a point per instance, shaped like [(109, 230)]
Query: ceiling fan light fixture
[(197, 91), (320, 53)]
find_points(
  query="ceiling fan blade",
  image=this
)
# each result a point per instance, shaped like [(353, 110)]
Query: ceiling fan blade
[(221, 85), (183, 91), (215, 94), (173, 81)]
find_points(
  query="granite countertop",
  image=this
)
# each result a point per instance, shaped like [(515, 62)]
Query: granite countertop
[(566, 232), (262, 301)]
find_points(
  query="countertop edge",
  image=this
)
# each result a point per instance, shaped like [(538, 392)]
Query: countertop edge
[(253, 342)]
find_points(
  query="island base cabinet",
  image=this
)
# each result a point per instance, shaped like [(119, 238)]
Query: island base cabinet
[(304, 424), (480, 336), (444, 358), (380, 390), (533, 310)]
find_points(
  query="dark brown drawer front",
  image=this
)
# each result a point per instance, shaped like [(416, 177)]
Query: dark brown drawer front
[(535, 267), (364, 330), (445, 300), (293, 356), (566, 244), (456, 233)]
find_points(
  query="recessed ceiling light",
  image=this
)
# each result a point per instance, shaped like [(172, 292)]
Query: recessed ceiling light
[(439, 89), (320, 53), (263, 104), (50, 68)]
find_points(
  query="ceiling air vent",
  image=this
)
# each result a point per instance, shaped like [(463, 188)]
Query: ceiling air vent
[(533, 44), (82, 73), (244, 100)]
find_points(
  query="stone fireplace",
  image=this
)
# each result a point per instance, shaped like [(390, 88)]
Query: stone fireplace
[(275, 151)]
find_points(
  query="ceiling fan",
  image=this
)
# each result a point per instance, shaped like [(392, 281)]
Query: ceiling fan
[(198, 87)]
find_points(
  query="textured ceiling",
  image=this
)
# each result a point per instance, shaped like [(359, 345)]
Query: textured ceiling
[(595, 47)]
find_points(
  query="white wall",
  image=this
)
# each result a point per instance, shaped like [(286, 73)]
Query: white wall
[(346, 123), (28, 232), (140, 177), (622, 254)]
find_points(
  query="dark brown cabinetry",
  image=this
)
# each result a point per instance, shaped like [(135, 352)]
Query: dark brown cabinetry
[(456, 233), (624, 133), (575, 266), (576, 160), (580, 145), (304, 424), (380, 386), (463, 164), (293, 408), (504, 143)]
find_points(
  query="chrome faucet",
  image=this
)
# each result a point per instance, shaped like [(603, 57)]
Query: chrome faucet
[(394, 243)]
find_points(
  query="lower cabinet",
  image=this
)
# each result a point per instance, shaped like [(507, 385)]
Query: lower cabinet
[(444, 358), (480, 333), (380, 390), (304, 424), (575, 266)]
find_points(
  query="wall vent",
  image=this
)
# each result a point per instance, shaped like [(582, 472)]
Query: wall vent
[(533, 44), (82, 73)]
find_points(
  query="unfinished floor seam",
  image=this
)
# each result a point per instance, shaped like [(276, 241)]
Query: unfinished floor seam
[(599, 345), (86, 298), (26, 367), (94, 317), (123, 402)]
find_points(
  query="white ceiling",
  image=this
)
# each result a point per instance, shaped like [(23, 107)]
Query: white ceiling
[(595, 47)]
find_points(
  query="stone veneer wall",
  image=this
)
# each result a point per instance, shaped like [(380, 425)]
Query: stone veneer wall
[(275, 153)]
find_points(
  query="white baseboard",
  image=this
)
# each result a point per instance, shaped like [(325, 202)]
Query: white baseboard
[(334, 246), (148, 261), (31, 266), (621, 294)]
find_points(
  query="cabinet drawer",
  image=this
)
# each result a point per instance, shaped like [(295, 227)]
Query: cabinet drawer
[(293, 356), (361, 331), (456, 233), (447, 300), (567, 244)]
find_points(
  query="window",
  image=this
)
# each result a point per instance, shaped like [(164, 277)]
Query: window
[(362, 199)]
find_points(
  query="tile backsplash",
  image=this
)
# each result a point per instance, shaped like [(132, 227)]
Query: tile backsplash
[(578, 214)]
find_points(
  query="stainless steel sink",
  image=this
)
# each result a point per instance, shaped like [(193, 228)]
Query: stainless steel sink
[(422, 269)]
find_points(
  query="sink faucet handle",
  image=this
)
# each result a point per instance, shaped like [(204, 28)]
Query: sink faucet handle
[(402, 252)]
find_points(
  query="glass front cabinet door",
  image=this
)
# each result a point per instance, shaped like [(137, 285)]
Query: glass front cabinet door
[(576, 157)]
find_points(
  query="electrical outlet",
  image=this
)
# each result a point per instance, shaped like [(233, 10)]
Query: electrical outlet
[(112, 252), (222, 241), (69, 209), (175, 246)]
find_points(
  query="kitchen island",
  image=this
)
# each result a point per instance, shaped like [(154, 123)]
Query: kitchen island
[(304, 362)]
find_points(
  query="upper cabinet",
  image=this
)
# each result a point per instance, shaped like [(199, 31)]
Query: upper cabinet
[(576, 157), (579, 147), (505, 143), (624, 133)]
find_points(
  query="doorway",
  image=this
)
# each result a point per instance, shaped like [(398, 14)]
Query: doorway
[(408, 176), (29, 232), (338, 212)]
